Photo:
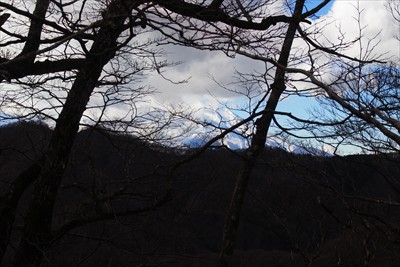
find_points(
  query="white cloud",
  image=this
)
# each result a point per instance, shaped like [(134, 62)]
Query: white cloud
[(372, 17), (199, 68), (199, 65)]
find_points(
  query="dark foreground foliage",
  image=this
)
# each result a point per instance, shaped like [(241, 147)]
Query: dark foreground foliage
[(300, 210)]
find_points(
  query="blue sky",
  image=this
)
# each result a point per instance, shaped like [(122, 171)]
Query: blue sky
[(313, 3), (199, 65)]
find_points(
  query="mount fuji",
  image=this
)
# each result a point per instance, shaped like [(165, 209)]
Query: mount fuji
[(237, 140)]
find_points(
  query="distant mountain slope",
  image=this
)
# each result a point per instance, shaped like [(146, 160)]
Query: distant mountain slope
[(298, 206)]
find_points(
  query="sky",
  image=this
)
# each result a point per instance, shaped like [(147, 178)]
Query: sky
[(204, 69), (313, 3), (200, 65), (338, 17)]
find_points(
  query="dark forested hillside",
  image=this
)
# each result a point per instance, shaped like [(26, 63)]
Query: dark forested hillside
[(300, 210)]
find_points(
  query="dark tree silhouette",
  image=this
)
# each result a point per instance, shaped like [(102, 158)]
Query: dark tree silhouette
[(60, 58), (92, 35)]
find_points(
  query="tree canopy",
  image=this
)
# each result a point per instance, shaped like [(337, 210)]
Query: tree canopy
[(74, 63)]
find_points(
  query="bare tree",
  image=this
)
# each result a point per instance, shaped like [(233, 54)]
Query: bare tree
[(58, 53), (363, 92), (359, 99), (71, 63)]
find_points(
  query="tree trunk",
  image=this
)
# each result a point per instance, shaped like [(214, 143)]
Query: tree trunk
[(35, 30), (9, 204), (258, 142), (36, 236)]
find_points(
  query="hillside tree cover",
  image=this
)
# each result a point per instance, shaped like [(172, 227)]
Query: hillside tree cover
[(71, 62)]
